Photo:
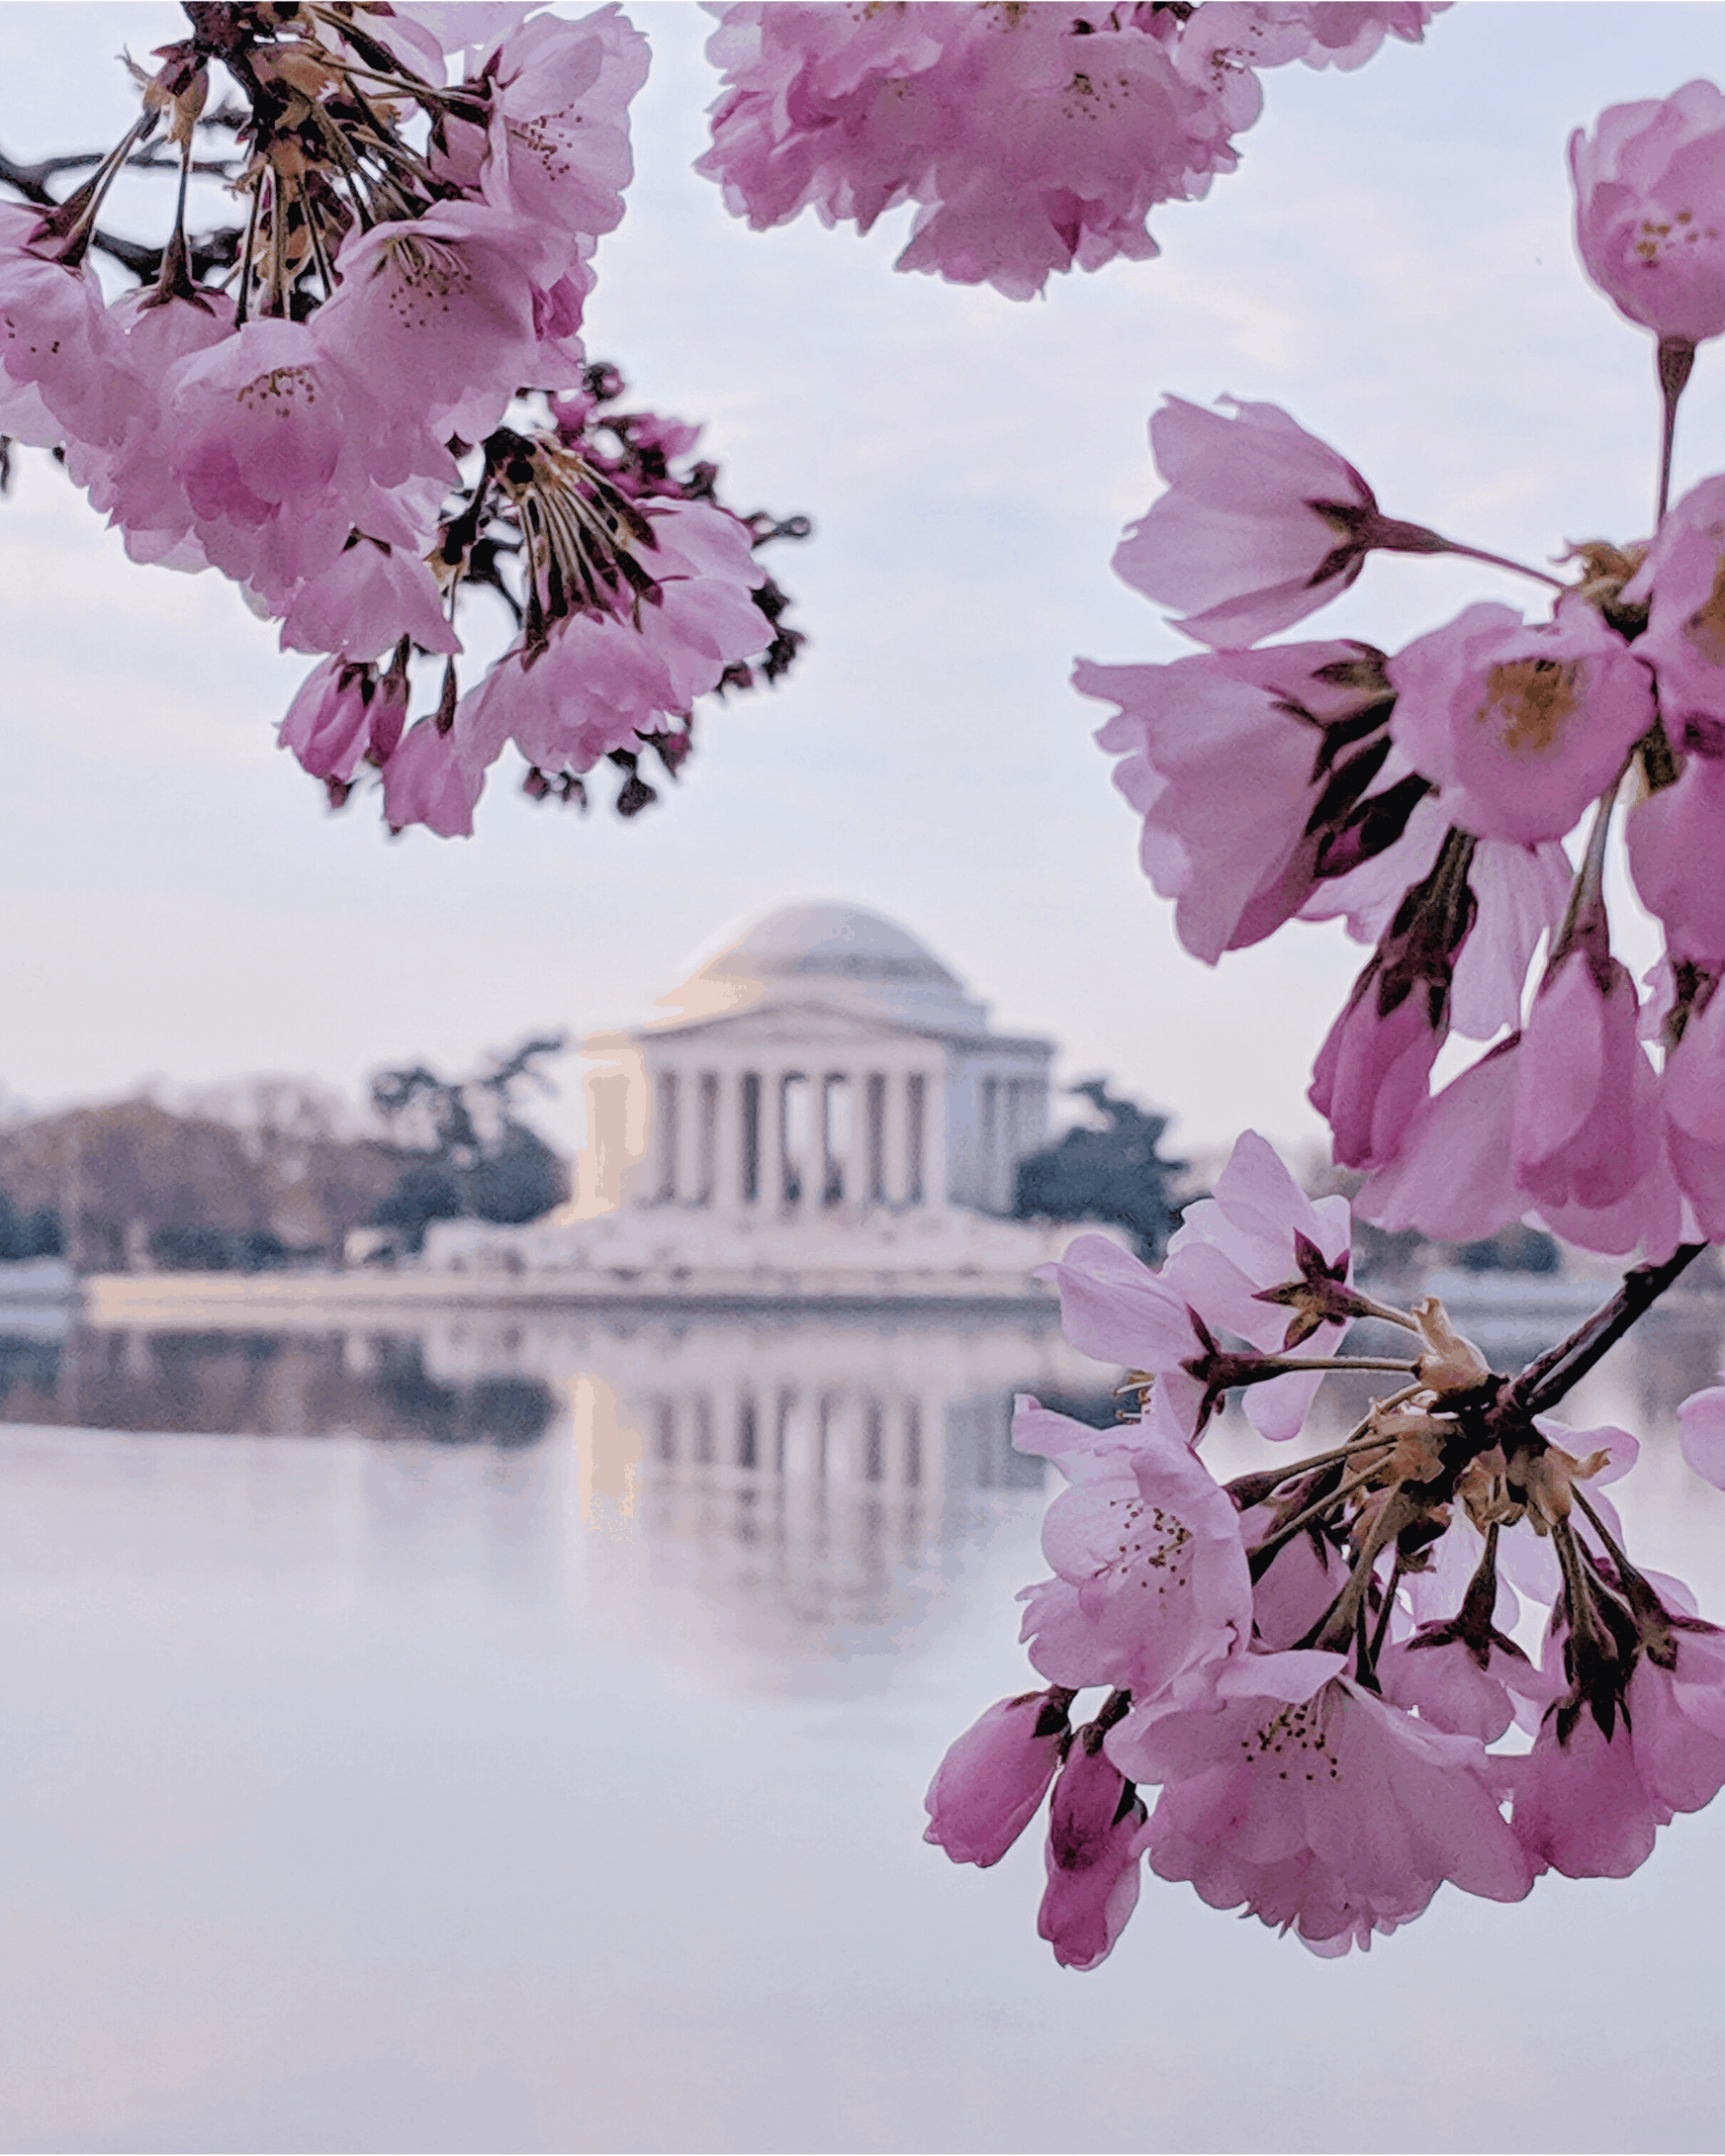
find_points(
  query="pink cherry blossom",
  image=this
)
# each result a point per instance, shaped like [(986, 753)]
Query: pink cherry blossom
[(1692, 1096), (428, 781), (136, 477), (1584, 1129), (1682, 583), (1455, 1687), (1032, 140), (1452, 1174), (1115, 1307), (1028, 147), (1317, 1804), (1261, 525), (601, 681), (1519, 727), (1676, 1715), (329, 725), (1701, 1434), (57, 341), (559, 128), (1346, 36), (1295, 1591), (1582, 1807), (282, 453), (993, 1778), (1259, 1261), (440, 309), (1675, 836), (1521, 894), (369, 598), (1368, 886), (1067, 143), (1285, 1280), (1223, 43), (1573, 1131), (1229, 757), (1150, 1575), (1650, 209), (1371, 1076), (1095, 1833)]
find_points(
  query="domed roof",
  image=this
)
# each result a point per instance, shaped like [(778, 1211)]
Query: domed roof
[(826, 939), (827, 952)]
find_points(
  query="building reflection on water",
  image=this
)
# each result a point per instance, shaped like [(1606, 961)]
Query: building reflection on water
[(799, 1484), (797, 1489)]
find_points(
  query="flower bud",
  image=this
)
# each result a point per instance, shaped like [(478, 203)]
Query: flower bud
[(993, 1777)]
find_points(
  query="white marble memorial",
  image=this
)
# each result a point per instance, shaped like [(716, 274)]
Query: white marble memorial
[(824, 1109)]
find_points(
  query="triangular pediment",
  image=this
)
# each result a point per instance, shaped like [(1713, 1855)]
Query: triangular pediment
[(787, 1024)]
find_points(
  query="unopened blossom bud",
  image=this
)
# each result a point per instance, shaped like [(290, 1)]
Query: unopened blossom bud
[(1095, 1821), (1371, 1075), (328, 724), (993, 1777), (1650, 209), (1585, 1129)]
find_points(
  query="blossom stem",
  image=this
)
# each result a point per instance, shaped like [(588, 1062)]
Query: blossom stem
[(1361, 1438), (1585, 907), (1677, 356), (1262, 1551), (1502, 561), (1286, 1363), (1392, 1518), (1615, 1549), (242, 302), (1370, 1306), (1550, 1376), (1341, 1452), (1383, 1615)]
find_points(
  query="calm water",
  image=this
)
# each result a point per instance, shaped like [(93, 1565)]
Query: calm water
[(514, 1736)]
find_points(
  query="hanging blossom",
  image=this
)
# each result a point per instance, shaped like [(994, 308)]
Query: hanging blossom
[(1301, 1681), (1458, 802), (1032, 139), (371, 400)]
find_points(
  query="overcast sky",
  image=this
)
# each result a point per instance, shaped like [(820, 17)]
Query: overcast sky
[(1392, 263)]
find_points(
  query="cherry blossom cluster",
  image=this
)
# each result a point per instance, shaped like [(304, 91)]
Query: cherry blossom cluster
[(373, 398), (1308, 1701), (1030, 138), (1426, 797)]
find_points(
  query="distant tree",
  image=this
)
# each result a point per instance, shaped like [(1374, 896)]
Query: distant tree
[(478, 1161), (423, 1193), (520, 1179), (1115, 1175), (34, 1234), (180, 1247), (102, 1183), (1516, 1249)]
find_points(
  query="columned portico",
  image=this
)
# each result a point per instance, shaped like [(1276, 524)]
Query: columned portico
[(823, 1069)]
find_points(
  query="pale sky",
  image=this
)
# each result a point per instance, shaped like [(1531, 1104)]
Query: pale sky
[(1392, 263)]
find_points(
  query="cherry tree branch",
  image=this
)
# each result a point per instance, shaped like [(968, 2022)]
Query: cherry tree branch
[(212, 250), (1550, 1376)]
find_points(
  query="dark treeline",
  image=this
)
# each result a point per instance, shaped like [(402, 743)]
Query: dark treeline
[(268, 1174)]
